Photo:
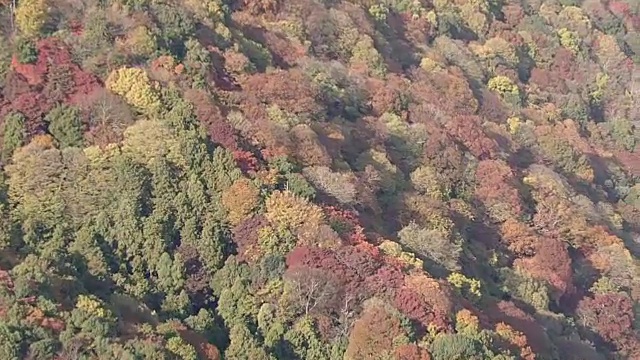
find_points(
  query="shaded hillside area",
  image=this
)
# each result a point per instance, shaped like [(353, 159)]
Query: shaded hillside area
[(319, 179)]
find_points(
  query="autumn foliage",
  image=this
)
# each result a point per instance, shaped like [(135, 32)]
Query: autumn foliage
[(268, 179)]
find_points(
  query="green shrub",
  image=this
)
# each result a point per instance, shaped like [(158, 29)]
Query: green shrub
[(623, 133), (454, 347), (525, 289), (185, 351), (14, 134), (66, 126), (26, 51), (297, 184)]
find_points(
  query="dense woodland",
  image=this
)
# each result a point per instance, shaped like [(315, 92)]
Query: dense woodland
[(319, 179)]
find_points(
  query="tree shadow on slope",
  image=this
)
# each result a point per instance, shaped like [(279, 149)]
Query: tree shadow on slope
[(279, 46)]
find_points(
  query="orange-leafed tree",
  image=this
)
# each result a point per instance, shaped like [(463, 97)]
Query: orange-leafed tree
[(516, 339), (240, 200), (519, 238), (376, 334), (411, 352), (291, 90), (308, 148)]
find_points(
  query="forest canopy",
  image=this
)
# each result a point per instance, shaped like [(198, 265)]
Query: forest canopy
[(319, 179)]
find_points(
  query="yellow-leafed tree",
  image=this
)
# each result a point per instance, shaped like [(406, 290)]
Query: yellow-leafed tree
[(290, 211), (240, 200), (134, 86), (31, 15)]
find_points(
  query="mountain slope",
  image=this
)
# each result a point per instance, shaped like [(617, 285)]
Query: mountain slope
[(267, 179)]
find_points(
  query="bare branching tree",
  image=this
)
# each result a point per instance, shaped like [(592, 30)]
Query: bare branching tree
[(346, 316), (313, 290)]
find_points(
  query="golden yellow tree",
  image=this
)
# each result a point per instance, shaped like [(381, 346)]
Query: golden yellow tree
[(240, 200), (290, 211), (31, 16), (134, 86)]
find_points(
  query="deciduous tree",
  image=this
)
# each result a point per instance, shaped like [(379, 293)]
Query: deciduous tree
[(31, 16), (431, 245), (288, 210), (240, 199), (376, 333), (611, 316), (134, 86), (312, 291)]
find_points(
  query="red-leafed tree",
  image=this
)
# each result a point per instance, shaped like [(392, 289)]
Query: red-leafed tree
[(620, 8), (551, 263), (55, 69), (544, 80), (212, 119), (33, 73), (386, 280), (14, 85), (508, 313), (564, 66), (197, 278), (33, 106), (611, 316), (412, 305), (450, 90), (513, 14), (245, 235), (54, 78), (247, 161), (426, 301), (357, 260), (419, 30), (390, 95), (444, 154), (347, 224), (496, 188), (350, 264), (492, 108), (468, 130)]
